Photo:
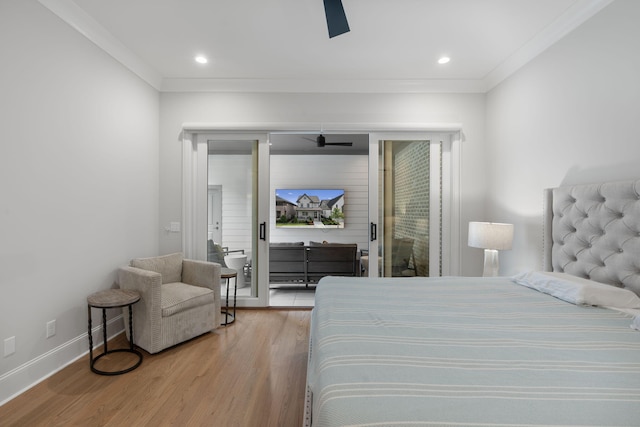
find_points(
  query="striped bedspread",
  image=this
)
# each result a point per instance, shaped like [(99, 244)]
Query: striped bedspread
[(467, 352)]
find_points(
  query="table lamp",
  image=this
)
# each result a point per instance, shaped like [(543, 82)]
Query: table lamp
[(492, 237)]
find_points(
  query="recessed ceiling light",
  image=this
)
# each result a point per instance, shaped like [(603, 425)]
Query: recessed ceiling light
[(201, 59), (444, 60)]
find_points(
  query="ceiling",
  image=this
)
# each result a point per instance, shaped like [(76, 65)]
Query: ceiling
[(283, 45)]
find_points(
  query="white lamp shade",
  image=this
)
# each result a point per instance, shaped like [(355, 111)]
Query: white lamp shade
[(490, 235)]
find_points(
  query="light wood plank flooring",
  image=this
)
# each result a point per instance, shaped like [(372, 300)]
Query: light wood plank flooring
[(251, 373)]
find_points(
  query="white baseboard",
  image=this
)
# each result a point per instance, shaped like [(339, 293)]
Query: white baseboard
[(25, 376)]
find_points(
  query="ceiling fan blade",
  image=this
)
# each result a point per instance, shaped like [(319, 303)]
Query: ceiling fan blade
[(344, 144), (336, 18), (321, 141)]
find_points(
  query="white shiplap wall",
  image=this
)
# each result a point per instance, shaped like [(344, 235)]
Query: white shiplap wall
[(348, 172), (233, 173)]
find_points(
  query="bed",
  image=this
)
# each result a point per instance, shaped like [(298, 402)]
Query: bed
[(542, 348)]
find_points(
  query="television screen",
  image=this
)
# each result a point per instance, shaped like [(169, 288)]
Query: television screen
[(309, 208)]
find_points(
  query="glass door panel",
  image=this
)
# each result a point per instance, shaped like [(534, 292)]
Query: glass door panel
[(234, 211), (406, 236), (405, 208)]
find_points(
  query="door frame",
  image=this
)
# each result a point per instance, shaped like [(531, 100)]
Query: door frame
[(214, 198), (448, 221), (195, 199), (194, 168)]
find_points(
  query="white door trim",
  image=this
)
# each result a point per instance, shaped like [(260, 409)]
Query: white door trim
[(195, 199), (291, 127), (450, 251)]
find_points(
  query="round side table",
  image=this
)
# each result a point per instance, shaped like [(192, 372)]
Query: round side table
[(228, 274), (112, 298)]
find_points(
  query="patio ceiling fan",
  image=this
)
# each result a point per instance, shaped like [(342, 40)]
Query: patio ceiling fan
[(336, 18), (322, 142)]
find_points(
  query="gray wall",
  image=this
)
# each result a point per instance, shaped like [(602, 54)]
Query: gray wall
[(78, 184), (570, 116)]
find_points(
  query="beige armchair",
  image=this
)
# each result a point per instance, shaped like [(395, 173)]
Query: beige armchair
[(180, 299)]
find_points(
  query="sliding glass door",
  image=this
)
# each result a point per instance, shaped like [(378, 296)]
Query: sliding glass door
[(226, 207), (408, 224), (410, 205)]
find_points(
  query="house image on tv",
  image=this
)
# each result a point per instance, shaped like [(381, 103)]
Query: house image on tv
[(310, 207), (329, 206), (310, 210), (284, 207)]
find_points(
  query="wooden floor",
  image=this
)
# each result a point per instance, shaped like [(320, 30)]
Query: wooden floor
[(251, 373)]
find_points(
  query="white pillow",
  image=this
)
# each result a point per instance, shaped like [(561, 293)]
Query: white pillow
[(577, 290)]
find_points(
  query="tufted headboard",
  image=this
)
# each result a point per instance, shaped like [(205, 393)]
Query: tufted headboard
[(593, 231)]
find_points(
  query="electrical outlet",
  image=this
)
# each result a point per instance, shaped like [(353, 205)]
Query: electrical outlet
[(9, 346), (51, 328)]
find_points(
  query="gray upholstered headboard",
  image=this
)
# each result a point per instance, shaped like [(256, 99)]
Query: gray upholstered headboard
[(593, 231)]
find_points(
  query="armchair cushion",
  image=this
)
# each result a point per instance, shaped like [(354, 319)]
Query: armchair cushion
[(169, 266), (215, 253), (312, 243), (280, 244), (178, 297)]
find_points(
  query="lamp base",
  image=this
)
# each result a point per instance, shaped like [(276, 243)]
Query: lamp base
[(490, 263)]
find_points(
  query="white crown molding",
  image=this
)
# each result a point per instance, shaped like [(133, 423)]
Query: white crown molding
[(571, 18), (323, 86), (574, 16), (314, 128), (78, 19)]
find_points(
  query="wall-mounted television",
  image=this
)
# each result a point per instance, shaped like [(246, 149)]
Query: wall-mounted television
[(309, 208)]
